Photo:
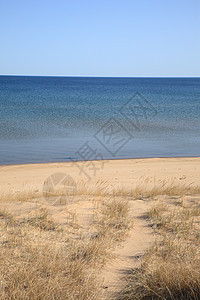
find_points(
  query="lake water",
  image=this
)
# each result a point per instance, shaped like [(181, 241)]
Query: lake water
[(57, 119)]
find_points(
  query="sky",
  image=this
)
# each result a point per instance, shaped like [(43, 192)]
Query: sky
[(122, 38)]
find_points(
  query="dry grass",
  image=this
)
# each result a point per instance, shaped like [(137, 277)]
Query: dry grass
[(148, 188), (41, 220), (38, 260), (170, 269), (113, 219), (111, 222), (22, 196), (61, 196)]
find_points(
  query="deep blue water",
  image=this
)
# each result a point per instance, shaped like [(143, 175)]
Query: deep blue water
[(49, 119)]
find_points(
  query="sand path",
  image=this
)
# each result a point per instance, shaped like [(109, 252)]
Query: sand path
[(128, 254)]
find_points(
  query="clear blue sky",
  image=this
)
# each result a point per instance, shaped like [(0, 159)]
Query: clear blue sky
[(100, 37)]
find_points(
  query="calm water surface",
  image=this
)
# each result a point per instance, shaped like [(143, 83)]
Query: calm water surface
[(56, 119)]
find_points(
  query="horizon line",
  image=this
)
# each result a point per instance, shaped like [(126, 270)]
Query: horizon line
[(97, 76)]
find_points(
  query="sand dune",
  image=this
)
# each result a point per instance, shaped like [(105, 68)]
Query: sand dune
[(127, 181)]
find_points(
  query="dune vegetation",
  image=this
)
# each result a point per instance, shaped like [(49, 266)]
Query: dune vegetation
[(170, 269), (44, 258)]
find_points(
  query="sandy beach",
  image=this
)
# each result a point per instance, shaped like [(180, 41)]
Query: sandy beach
[(105, 233), (118, 173)]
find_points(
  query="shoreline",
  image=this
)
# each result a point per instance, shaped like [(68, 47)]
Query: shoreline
[(97, 160)]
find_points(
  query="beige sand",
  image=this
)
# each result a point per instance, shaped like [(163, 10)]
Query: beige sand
[(117, 173), (126, 173)]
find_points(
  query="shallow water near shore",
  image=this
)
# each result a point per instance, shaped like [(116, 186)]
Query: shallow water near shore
[(54, 119)]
